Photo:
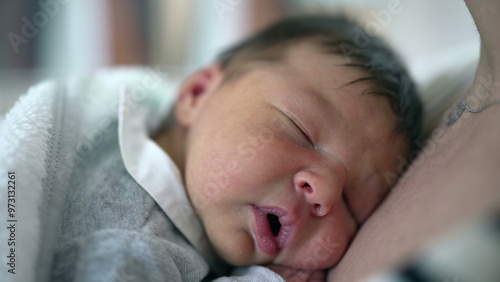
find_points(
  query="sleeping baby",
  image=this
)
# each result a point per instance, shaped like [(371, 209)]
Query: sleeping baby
[(264, 168), (285, 142)]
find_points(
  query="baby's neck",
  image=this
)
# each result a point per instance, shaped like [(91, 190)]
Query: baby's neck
[(172, 141)]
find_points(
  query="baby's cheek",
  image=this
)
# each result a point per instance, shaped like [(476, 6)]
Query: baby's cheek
[(323, 253), (324, 247), (236, 248), (365, 200)]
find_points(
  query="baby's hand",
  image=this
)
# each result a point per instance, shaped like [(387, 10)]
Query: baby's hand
[(298, 275)]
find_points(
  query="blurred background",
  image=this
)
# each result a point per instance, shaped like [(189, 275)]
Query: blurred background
[(56, 38)]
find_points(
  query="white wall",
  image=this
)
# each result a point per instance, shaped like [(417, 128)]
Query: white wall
[(77, 38)]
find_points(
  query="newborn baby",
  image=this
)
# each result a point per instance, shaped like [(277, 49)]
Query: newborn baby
[(291, 139)]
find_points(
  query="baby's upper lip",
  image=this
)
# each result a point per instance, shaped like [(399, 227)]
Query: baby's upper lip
[(266, 240)]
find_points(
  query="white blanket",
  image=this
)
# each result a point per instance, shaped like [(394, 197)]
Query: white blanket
[(24, 137)]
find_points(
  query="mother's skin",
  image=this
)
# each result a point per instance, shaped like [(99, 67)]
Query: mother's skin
[(454, 180)]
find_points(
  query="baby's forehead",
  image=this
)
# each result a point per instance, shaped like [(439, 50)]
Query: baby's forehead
[(310, 58), (316, 78), (305, 59), (324, 90)]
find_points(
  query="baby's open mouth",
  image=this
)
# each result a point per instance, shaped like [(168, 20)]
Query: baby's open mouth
[(274, 228), (275, 224)]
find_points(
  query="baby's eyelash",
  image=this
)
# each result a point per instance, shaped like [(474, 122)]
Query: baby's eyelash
[(297, 125), (301, 129)]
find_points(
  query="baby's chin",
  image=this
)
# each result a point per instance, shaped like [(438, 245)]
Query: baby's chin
[(310, 259), (240, 251), (319, 256)]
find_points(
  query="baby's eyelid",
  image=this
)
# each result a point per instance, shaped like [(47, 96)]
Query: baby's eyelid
[(297, 124), (301, 129)]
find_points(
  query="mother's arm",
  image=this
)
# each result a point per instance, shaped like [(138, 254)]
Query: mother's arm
[(455, 178), (485, 14)]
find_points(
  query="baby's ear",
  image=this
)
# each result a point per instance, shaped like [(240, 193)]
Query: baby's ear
[(195, 90)]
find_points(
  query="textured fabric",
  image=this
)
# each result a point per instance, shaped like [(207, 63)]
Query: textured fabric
[(113, 229), (154, 171), (252, 274), (25, 136)]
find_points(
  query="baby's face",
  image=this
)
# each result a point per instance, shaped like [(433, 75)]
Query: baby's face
[(284, 164)]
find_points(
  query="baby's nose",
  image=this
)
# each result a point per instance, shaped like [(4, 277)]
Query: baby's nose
[(319, 189)]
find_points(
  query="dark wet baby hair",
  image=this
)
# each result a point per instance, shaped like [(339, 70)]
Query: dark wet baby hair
[(342, 37)]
